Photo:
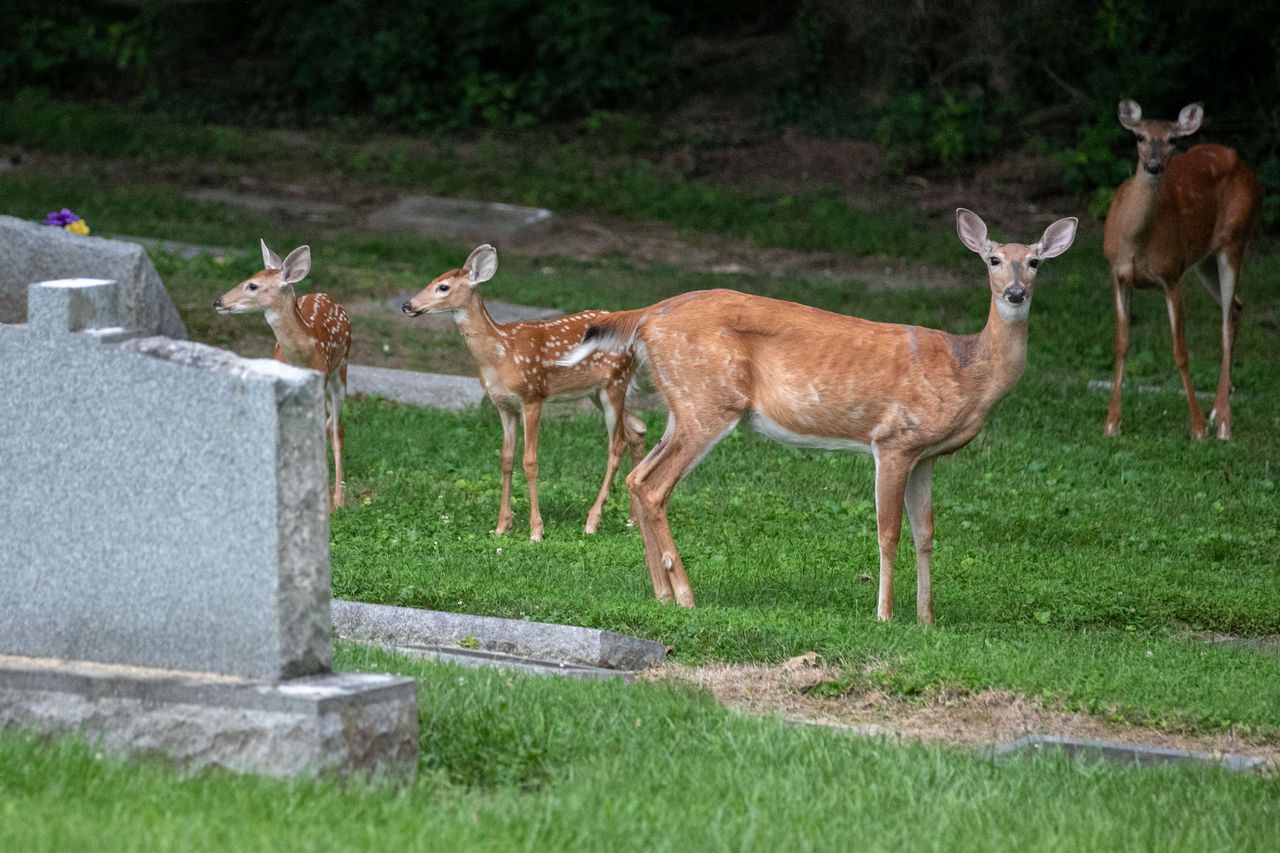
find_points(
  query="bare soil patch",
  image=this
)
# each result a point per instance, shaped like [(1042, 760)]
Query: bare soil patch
[(345, 203), (969, 720), (645, 244)]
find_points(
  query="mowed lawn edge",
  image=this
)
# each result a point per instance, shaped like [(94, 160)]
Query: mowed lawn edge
[(512, 762)]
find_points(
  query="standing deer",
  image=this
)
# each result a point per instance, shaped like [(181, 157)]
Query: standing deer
[(1195, 210), (312, 331), (519, 372), (904, 394)]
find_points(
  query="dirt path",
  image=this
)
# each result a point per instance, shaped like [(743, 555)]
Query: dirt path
[(333, 201), (586, 238), (969, 720)]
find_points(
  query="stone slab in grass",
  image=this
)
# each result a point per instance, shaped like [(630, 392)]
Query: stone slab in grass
[(461, 219), (476, 659), (434, 390), (541, 641), (334, 723), (186, 251), (312, 210), (31, 252), (1119, 753), (1264, 645)]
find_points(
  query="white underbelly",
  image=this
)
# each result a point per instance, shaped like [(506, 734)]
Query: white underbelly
[(772, 429)]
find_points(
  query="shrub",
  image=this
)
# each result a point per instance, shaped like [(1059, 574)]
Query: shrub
[(416, 64)]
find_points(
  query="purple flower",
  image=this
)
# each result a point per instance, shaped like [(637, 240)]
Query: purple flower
[(60, 218)]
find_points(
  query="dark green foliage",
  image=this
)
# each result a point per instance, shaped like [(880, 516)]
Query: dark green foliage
[(946, 127), (417, 64), (423, 64), (946, 82), (938, 85), (80, 48)]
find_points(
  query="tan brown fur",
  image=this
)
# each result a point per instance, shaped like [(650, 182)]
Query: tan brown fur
[(518, 369), (1179, 212), (906, 394), (311, 331)]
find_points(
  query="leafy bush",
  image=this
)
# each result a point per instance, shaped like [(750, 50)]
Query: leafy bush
[(79, 48), (417, 64), (945, 128), (949, 80)]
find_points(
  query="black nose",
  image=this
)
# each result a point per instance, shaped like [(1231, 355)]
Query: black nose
[(217, 303), (407, 308), (1154, 167), (1016, 294)]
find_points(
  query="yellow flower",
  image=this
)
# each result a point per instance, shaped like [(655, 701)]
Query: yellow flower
[(78, 227)]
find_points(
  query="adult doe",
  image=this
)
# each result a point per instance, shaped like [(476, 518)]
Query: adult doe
[(904, 394), (1196, 210)]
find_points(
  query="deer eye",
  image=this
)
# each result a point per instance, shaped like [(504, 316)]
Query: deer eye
[(1142, 137), (1033, 263), (995, 262), (442, 288), (252, 286)]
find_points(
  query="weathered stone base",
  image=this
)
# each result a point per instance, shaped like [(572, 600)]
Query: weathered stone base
[(340, 724)]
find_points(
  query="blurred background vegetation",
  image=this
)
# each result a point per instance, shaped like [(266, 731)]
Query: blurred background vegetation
[(936, 86)]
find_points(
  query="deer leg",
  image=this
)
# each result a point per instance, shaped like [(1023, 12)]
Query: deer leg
[(633, 430), (892, 471), (532, 424), (1228, 275), (651, 485), (508, 462), (919, 501), (657, 575), (1177, 324), (337, 393), (1123, 290), (611, 403)]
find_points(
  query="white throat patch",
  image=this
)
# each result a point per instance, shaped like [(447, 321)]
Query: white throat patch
[(1013, 313)]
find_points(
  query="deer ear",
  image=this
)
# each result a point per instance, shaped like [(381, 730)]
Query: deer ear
[(1189, 119), (972, 231), (297, 265), (481, 264), (270, 260), (1057, 238), (1130, 114)]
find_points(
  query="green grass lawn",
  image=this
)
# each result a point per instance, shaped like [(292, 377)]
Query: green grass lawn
[(1067, 567), (521, 763)]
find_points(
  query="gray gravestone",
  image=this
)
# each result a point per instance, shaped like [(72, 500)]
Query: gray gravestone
[(462, 219), (436, 390), (30, 251), (165, 515)]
